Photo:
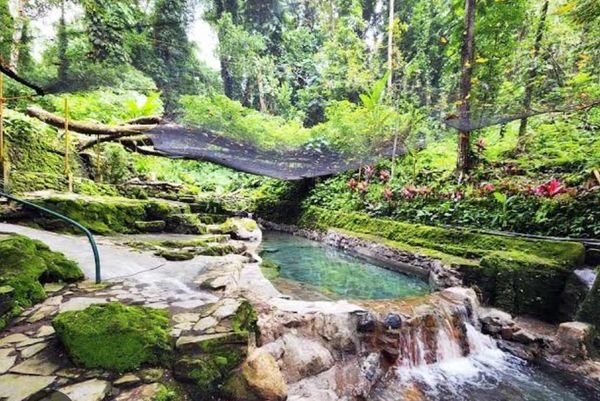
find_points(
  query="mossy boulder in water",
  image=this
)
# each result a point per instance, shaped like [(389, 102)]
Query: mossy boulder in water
[(114, 336), (240, 228), (25, 265)]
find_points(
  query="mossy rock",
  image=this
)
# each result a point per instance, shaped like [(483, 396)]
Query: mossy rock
[(185, 223), (155, 226), (207, 361), (176, 255), (108, 215), (520, 283), (114, 336), (238, 228), (589, 311), (270, 269), (25, 266)]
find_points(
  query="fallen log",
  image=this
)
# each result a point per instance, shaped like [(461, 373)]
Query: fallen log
[(89, 128)]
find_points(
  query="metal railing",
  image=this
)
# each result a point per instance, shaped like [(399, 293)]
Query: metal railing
[(67, 220)]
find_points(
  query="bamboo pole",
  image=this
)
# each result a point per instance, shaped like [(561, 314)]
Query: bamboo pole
[(67, 142), (3, 162), (98, 175)]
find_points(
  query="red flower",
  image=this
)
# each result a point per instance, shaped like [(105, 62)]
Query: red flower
[(388, 194), (408, 192), (363, 186), (554, 187), (456, 195), (549, 189), (487, 187), (384, 175), (369, 171), (352, 184)]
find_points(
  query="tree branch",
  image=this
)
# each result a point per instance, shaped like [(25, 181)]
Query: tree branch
[(89, 128), (11, 74)]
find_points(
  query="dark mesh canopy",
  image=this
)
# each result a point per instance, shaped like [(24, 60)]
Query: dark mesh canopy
[(288, 164)]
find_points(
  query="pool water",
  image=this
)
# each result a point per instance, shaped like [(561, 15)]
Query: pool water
[(332, 273)]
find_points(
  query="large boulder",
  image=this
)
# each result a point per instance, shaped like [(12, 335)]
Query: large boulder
[(303, 357), (114, 336), (574, 340), (259, 379), (241, 228)]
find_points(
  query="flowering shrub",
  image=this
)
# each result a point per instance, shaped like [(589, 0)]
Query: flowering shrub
[(384, 176), (549, 189)]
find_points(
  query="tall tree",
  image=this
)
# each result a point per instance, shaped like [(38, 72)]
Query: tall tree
[(62, 45), (6, 31), (467, 59), (532, 73), (19, 24)]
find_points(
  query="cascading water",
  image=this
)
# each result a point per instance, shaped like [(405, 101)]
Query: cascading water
[(444, 357)]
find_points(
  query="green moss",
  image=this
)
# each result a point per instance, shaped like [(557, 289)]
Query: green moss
[(171, 391), (520, 283), (114, 336), (245, 319), (270, 269), (185, 223), (233, 225), (108, 215), (463, 243), (25, 265), (176, 255), (209, 363), (419, 250), (33, 151), (151, 226)]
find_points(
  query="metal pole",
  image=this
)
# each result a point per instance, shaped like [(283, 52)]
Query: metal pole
[(67, 142), (68, 220)]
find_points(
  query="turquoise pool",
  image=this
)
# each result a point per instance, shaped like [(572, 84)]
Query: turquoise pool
[(312, 268)]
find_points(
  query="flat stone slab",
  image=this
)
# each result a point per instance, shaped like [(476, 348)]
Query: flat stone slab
[(6, 361), (19, 387), (127, 380), (206, 323), (32, 350), (43, 364), (44, 331), (227, 308), (146, 392), (80, 303), (12, 339), (90, 390), (53, 287)]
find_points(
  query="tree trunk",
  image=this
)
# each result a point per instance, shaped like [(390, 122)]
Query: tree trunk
[(62, 46), (17, 35), (467, 56), (533, 71), (390, 49)]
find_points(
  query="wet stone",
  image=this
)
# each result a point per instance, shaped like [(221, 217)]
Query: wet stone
[(90, 390), (151, 375), (44, 331), (127, 380), (206, 323), (392, 321), (32, 350), (42, 313), (146, 392), (19, 387), (366, 323), (6, 360), (12, 339), (80, 303), (43, 364), (53, 287)]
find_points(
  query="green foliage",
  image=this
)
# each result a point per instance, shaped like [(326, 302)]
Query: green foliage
[(6, 30), (109, 106), (26, 265), (115, 164), (114, 336)]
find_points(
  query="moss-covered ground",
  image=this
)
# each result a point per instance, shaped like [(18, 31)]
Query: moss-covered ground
[(114, 336), (25, 265)]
